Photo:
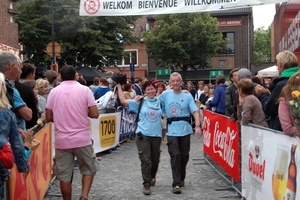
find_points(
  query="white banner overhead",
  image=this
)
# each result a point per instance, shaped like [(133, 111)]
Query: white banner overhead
[(155, 7)]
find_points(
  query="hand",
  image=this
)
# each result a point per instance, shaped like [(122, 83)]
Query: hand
[(25, 174), (138, 97), (22, 133), (260, 89), (198, 131), (28, 138)]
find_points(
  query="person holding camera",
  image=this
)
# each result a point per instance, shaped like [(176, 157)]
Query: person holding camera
[(148, 131)]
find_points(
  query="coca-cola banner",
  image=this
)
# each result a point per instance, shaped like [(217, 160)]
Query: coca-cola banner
[(221, 142), (270, 164)]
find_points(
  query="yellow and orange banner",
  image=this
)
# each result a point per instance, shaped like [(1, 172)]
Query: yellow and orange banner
[(39, 177)]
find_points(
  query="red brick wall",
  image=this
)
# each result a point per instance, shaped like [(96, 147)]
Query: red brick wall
[(9, 30)]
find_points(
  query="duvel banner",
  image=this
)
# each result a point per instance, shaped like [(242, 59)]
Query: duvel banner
[(221, 142), (155, 7), (270, 164)]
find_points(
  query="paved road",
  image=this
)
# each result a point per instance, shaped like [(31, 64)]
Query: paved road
[(119, 177)]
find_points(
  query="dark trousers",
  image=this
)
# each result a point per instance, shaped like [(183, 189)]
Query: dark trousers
[(179, 149), (149, 154)]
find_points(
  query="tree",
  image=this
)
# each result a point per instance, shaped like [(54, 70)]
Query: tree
[(262, 45), (184, 40), (95, 41)]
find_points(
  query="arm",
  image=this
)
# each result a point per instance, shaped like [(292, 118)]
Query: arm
[(49, 115), (215, 100), (93, 112), (228, 101), (286, 120), (24, 112), (17, 147), (247, 111), (121, 96), (7, 157), (198, 129)]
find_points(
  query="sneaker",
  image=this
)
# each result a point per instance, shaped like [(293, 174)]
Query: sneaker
[(146, 189), (153, 182), (177, 190)]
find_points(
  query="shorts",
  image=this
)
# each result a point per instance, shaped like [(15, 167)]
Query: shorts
[(63, 162), (164, 121)]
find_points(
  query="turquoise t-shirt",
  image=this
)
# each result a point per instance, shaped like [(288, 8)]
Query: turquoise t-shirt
[(18, 102), (150, 116), (178, 105)]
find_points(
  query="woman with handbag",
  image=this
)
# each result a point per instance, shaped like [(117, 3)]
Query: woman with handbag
[(148, 131)]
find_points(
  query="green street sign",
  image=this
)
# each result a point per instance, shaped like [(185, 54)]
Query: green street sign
[(215, 73), (163, 72)]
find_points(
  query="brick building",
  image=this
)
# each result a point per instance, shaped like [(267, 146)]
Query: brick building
[(9, 29), (235, 24)]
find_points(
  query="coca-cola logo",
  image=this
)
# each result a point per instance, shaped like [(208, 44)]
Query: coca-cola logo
[(222, 141)]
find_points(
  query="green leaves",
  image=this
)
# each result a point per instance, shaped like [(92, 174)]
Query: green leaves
[(262, 45), (95, 41), (184, 40)]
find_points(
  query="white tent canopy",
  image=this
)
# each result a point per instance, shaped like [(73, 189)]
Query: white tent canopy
[(269, 72)]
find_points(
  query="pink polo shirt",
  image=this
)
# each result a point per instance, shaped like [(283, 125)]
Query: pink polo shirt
[(69, 103)]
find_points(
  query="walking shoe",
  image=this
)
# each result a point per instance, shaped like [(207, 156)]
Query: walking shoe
[(177, 190), (146, 189), (153, 182)]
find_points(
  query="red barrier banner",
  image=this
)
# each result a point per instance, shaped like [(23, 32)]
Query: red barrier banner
[(39, 177), (221, 142)]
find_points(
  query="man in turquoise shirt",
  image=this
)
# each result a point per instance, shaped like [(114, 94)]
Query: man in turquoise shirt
[(178, 105)]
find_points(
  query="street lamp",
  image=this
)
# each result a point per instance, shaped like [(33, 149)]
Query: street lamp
[(52, 33), (53, 48)]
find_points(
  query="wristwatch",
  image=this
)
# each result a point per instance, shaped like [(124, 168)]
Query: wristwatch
[(198, 125)]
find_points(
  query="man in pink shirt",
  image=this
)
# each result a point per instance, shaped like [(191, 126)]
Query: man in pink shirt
[(69, 105)]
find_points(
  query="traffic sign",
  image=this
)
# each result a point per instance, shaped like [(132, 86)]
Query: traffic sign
[(163, 72), (131, 65)]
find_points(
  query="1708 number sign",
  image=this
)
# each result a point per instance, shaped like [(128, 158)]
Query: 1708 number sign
[(107, 131)]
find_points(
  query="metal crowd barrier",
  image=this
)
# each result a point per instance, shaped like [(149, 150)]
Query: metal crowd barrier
[(4, 187), (232, 184)]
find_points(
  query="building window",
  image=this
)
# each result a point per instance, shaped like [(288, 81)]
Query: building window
[(130, 56), (230, 46), (222, 63)]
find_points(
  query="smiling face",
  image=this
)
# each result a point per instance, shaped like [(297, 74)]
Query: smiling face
[(150, 91), (176, 82), (43, 89)]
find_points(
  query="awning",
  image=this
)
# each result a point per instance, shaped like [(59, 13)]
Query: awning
[(269, 72)]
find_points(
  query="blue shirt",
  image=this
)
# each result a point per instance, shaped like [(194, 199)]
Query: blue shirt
[(149, 118), (18, 103), (178, 105), (9, 129)]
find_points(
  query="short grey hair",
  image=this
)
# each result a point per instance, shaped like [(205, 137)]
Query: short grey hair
[(175, 74), (7, 58)]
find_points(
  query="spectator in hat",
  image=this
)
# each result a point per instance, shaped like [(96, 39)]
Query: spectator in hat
[(241, 74)]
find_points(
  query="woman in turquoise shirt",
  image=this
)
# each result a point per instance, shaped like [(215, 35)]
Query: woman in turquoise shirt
[(148, 131)]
